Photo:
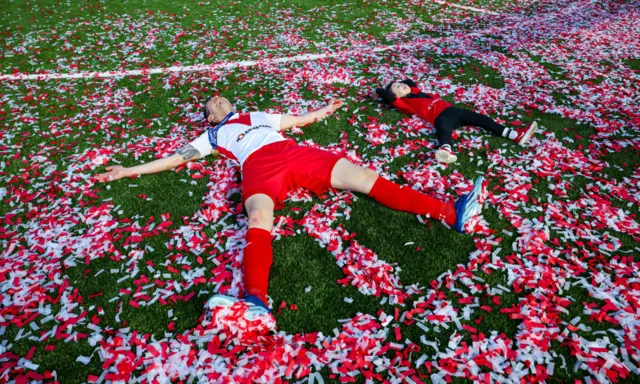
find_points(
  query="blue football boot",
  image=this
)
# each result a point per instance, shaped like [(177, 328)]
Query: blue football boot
[(256, 307), (468, 206)]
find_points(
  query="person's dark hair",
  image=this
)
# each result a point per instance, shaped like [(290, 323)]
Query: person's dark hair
[(388, 87), (205, 110), (385, 93)]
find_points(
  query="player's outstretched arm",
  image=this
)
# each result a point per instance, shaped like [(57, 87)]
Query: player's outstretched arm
[(184, 154), (289, 121)]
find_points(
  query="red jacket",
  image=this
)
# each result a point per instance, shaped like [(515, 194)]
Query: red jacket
[(425, 105)]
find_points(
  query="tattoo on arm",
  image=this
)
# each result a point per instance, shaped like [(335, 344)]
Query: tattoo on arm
[(188, 152)]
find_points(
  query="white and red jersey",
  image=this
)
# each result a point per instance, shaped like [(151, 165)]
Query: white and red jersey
[(241, 135)]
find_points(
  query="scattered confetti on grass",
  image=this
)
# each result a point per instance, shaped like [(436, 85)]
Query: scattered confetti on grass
[(107, 282)]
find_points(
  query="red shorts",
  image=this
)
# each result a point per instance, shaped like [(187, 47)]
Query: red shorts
[(283, 166)]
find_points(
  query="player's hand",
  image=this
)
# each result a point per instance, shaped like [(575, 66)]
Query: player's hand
[(374, 94), (334, 105), (113, 173)]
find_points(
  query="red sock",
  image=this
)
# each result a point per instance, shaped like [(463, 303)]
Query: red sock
[(258, 256), (409, 200)]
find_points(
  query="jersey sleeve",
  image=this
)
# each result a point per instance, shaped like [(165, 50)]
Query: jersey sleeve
[(273, 119), (403, 107), (202, 144)]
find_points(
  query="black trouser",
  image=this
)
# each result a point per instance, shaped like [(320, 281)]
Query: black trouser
[(453, 118)]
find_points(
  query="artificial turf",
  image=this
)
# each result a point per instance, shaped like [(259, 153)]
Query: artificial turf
[(136, 119)]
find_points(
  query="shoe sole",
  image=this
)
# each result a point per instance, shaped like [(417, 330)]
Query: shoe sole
[(477, 187), (253, 311), (532, 129), (221, 300), (445, 157), (472, 208)]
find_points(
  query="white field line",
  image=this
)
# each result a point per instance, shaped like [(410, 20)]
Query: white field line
[(203, 67), (223, 65), (480, 10)]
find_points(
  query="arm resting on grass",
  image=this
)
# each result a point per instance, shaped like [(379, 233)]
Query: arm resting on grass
[(289, 121), (184, 155)]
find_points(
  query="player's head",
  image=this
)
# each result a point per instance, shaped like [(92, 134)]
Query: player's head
[(398, 89), (216, 108)]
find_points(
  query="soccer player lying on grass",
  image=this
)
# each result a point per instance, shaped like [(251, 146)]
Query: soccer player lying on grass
[(272, 166), (406, 97)]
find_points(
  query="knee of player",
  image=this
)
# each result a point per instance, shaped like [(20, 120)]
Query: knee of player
[(260, 218), (368, 175), (366, 179)]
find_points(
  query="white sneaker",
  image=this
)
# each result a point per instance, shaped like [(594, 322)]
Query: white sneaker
[(445, 155), (525, 134)]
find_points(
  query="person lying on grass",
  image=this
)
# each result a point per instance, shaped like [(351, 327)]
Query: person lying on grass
[(272, 165), (407, 98)]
